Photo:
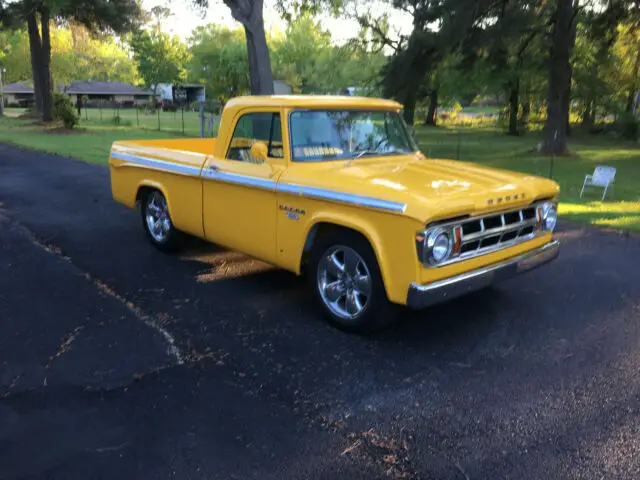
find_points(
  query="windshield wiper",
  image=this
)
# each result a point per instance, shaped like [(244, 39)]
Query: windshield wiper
[(360, 154)]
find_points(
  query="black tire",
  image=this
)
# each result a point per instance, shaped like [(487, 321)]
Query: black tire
[(171, 241), (378, 311)]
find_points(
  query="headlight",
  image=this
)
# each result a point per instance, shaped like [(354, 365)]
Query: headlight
[(436, 245), (549, 216), (439, 246)]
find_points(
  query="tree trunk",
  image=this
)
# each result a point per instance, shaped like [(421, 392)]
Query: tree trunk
[(35, 48), (586, 114), (633, 91), (514, 104), (555, 129), (250, 14), (260, 76), (432, 118), (47, 81), (409, 103)]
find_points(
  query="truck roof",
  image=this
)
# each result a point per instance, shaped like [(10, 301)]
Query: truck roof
[(312, 101)]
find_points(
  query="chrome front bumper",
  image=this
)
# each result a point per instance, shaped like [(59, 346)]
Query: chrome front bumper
[(421, 296)]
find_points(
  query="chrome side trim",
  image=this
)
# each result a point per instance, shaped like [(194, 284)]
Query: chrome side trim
[(421, 296), (256, 182), (347, 198), (238, 179), (171, 167)]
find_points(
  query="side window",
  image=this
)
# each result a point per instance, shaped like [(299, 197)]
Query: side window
[(256, 127)]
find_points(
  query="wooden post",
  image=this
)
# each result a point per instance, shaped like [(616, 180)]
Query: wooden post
[(201, 119)]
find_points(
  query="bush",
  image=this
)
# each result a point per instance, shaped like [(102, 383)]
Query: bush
[(64, 110)]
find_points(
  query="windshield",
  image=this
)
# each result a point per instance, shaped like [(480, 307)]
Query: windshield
[(318, 135)]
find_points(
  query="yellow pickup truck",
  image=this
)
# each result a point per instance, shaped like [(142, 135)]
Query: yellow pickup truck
[(337, 189)]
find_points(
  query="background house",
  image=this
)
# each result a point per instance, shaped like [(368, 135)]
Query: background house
[(18, 94), (108, 94)]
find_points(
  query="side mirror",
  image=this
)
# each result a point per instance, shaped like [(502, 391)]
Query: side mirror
[(259, 152)]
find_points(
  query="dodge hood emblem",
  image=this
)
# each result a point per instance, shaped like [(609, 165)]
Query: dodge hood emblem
[(506, 198)]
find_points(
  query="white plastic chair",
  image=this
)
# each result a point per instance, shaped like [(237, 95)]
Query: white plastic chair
[(602, 177)]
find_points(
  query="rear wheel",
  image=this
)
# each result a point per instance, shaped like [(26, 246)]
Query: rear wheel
[(346, 281), (157, 223)]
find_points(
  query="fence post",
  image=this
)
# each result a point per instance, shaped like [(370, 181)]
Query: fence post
[(201, 119), (182, 111)]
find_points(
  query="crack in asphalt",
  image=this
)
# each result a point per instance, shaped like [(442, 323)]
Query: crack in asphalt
[(47, 245)]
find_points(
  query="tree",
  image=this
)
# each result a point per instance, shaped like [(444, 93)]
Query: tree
[(96, 15), (559, 86), (219, 61), (250, 14), (75, 55), (160, 58), (299, 54), (157, 14), (596, 33), (514, 51), (14, 46), (302, 55), (439, 27)]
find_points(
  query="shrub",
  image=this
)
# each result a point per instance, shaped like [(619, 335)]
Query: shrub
[(64, 110)]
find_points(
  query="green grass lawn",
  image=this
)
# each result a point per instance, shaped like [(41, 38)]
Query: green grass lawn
[(480, 110), (89, 142), (171, 122), (489, 146)]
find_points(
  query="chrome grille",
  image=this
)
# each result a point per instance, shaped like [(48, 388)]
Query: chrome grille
[(496, 231), (475, 236)]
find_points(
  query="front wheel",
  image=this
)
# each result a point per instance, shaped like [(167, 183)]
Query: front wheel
[(158, 225), (345, 279)]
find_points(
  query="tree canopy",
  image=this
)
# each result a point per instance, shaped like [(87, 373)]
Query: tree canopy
[(116, 16), (543, 62), (160, 57)]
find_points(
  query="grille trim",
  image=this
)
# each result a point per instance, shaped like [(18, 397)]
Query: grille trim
[(525, 222)]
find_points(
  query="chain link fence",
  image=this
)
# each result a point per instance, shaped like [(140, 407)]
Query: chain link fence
[(200, 119)]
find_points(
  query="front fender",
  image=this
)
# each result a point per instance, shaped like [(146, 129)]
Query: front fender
[(391, 237)]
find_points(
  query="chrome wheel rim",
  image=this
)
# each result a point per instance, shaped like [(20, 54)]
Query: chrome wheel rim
[(157, 217), (344, 282)]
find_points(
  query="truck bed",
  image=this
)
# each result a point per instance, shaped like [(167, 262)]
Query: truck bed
[(196, 145)]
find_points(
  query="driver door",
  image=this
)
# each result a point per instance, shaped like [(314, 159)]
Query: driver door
[(239, 195)]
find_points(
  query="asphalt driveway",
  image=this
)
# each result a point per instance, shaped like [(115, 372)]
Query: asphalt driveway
[(118, 360)]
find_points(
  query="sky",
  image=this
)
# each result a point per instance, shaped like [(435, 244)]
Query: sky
[(186, 18)]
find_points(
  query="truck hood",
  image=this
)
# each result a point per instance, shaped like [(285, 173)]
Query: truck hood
[(430, 188)]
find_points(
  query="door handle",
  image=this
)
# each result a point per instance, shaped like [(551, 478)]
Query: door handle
[(213, 167)]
